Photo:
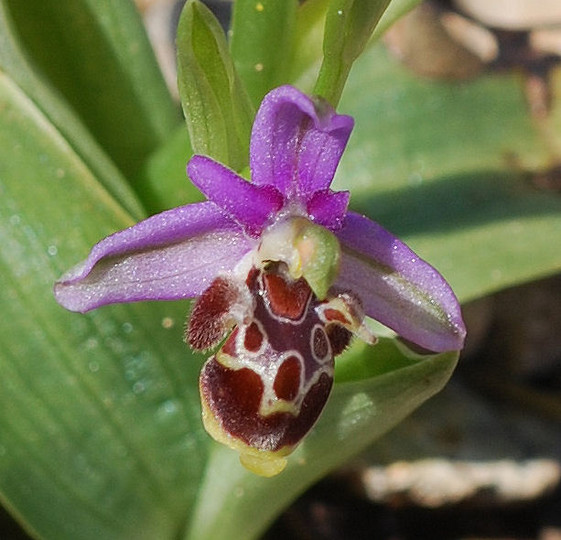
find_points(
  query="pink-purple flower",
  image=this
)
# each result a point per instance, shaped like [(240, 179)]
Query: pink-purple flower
[(281, 269)]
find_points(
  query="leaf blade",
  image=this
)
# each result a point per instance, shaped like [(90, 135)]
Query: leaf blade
[(216, 106), (15, 62), (100, 416), (261, 43), (348, 28), (97, 55)]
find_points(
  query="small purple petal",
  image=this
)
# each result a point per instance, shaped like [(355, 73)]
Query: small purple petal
[(320, 153), (328, 208), (249, 205), (172, 255), (296, 143), (398, 288)]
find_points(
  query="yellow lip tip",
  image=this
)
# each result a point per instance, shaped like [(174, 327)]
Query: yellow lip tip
[(266, 466)]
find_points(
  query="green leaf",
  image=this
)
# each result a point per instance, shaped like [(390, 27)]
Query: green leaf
[(163, 181), (100, 435), (237, 504), (97, 55), (448, 167), (308, 39), (14, 62), (308, 36), (217, 108), (261, 43), (348, 27)]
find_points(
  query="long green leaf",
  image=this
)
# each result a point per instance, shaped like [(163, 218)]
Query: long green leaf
[(97, 55), (216, 106), (15, 62), (348, 27), (100, 435), (309, 31), (308, 41)]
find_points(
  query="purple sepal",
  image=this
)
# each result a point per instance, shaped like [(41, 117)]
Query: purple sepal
[(397, 287), (296, 143), (172, 255), (248, 204)]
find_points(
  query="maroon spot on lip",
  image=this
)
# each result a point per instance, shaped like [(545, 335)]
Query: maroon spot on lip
[(287, 381), (287, 299), (229, 346), (252, 278), (320, 344), (234, 396), (334, 315), (253, 338)]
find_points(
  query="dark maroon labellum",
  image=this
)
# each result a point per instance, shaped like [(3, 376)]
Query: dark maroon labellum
[(266, 386)]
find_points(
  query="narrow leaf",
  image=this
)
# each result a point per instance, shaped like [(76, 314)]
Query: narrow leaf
[(14, 61), (97, 55), (261, 43), (100, 435), (216, 106), (308, 35), (308, 39), (348, 27)]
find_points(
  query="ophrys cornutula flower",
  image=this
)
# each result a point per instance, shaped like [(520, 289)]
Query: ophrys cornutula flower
[(282, 271)]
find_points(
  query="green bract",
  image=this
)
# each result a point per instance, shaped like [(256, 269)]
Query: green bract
[(262, 43), (215, 103)]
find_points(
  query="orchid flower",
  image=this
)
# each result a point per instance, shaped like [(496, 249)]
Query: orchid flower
[(284, 274)]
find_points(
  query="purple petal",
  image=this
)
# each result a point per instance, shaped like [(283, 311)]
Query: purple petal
[(328, 208), (249, 205), (320, 152), (172, 255), (398, 288), (296, 143)]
